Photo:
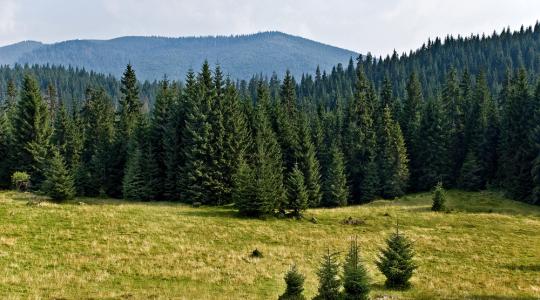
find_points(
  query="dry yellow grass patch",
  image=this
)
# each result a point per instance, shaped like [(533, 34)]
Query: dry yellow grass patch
[(488, 247)]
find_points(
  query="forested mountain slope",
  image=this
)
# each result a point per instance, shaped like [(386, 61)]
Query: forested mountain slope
[(153, 57)]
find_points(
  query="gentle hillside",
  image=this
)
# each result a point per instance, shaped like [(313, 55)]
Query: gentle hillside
[(485, 248), (11, 53), (152, 57)]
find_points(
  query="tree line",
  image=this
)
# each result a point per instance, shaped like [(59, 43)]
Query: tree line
[(205, 142)]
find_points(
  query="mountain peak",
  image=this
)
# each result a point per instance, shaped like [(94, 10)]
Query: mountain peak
[(240, 56)]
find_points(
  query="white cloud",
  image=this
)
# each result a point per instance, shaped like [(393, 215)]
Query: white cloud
[(7, 17)]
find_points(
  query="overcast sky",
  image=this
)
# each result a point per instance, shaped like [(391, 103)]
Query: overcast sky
[(359, 25)]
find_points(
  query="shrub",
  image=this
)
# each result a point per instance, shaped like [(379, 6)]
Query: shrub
[(20, 181)]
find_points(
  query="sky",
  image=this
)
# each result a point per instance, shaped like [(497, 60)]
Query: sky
[(363, 26)]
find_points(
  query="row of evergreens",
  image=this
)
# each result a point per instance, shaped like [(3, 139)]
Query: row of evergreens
[(203, 142), (378, 129), (395, 262)]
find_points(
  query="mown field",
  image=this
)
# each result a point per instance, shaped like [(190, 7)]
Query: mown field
[(486, 247)]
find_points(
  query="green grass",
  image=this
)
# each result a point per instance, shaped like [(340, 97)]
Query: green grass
[(487, 247)]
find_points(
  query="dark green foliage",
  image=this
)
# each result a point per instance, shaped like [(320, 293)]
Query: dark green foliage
[(5, 140), (410, 125), (139, 182), (396, 261), (295, 285), (196, 138), (67, 137), (471, 177), (355, 277), (455, 109), (360, 142), (392, 157), (329, 282), (297, 193), (336, 189), (439, 198), (536, 140), (432, 163), (236, 137), (516, 152), (309, 165), (285, 119), (31, 132), (59, 183), (160, 116), (128, 113), (262, 180), (97, 122)]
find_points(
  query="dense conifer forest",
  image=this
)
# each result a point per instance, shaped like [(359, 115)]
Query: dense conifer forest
[(463, 112)]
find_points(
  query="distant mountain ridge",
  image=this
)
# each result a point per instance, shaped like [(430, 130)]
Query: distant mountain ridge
[(240, 56)]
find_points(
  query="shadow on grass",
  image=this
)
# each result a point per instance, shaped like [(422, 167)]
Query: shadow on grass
[(525, 268), (215, 213)]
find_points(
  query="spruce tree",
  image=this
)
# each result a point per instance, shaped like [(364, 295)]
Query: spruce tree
[(265, 173), (433, 165), (455, 110), (392, 157), (516, 154), (396, 261), (137, 182), (439, 198), (285, 119), (355, 277), (336, 189), (329, 282), (535, 199), (309, 164), (196, 172), (97, 120), (31, 131), (172, 140), (160, 116), (295, 285), (66, 136), (5, 138), (298, 195), (236, 138), (388, 99), (471, 177), (410, 124), (59, 182), (360, 142)]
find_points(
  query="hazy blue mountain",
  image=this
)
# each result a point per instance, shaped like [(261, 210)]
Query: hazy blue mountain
[(152, 57), (11, 53)]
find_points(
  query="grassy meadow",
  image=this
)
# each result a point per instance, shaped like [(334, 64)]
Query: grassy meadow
[(486, 247)]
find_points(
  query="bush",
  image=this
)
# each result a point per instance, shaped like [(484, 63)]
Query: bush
[(439, 198), (295, 285), (20, 181)]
